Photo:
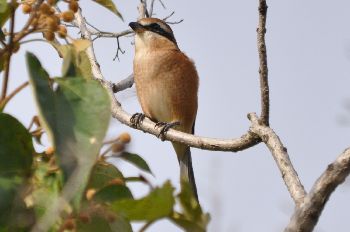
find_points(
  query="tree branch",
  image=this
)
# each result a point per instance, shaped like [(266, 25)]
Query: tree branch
[(263, 70), (124, 84), (9, 54), (305, 217), (280, 154), (11, 95)]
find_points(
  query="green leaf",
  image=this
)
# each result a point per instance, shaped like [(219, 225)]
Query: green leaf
[(112, 192), (110, 6), (137, 160), (75, 59), (187, 224), (46, 184), (3, 6), (16, 157), (102, 174), (192, 218), (16, 153), (102, 220), (5, 11), (8, 189), (75, 115), (158, 204)]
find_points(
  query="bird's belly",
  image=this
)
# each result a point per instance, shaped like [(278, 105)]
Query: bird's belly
[(155, 101)]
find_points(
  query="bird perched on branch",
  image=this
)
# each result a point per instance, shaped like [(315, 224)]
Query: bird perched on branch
[(166, 85)]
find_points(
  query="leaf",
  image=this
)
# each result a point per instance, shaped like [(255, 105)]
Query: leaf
[(75, 59), (137, 160), (110, 6), (102, 220), (16, 157), (186, 224), (8, 189), (102, 174), (16, 153), (75, 115), (112, 192), (3, 6), (5, 11), (81, 45), (158, 204), (47, 185), (192, 218)]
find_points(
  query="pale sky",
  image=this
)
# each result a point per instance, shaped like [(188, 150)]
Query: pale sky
[(308, 47)]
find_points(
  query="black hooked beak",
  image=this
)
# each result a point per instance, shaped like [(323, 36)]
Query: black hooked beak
[(135, 26)]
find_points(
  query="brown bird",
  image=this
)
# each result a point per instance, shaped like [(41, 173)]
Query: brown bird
[(166, 85)]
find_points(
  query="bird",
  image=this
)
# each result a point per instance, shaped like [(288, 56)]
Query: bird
[(166, 86)]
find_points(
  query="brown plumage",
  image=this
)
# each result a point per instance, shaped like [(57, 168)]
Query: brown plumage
[(166, 83)]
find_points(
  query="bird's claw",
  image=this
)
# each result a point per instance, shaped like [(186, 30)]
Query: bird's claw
[(136, 119), (165, 127)]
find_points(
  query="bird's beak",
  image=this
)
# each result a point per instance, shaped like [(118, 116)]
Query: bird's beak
[(137, 27)]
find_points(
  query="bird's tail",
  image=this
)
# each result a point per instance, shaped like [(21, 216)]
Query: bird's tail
[(186, 169)]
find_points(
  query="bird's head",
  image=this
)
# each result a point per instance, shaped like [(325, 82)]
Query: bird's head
[(153, 33)]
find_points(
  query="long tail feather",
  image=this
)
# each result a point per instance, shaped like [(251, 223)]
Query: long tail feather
[(186, 170)]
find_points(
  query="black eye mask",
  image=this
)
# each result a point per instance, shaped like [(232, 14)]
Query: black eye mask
[(156, 28)]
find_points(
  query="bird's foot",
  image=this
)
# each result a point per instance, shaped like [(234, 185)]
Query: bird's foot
[(136, 119), (165, 127)]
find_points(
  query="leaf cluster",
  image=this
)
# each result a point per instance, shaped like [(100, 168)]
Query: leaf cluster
[(72, 185)]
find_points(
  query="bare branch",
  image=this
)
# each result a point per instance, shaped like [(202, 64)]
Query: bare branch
[(142, 10), (280, 154), (124, 84), (119, 49), (105, 34), (151, 7), (9, 55), (263, 70), (11, 95), (305, 217), (169, 16)]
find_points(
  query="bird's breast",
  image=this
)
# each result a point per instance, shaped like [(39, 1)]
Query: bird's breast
[(167, 84)]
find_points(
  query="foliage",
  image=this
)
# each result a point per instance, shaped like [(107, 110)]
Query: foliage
[(72, 185)]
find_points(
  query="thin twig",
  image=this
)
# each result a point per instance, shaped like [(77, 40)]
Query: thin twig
[(280, 154), (142, 8), (305, 217), (175, 22), (106, 151), (25, 30), (33, 40), (9, 53), (167, 17), (162, 3), (11, 95), (118, 50), (146, 225), (151, 8), (263, 69), (104, 34)]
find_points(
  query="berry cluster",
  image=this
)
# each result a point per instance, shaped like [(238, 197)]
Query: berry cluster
[(47, 19)]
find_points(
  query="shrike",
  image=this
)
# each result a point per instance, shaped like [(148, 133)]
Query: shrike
[(166, 85)]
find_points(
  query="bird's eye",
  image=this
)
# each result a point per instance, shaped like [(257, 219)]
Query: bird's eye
[(155, 26)]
